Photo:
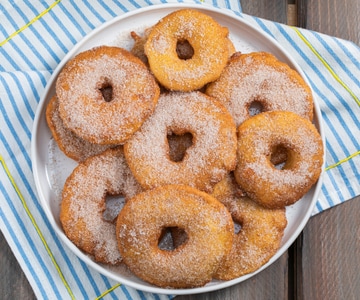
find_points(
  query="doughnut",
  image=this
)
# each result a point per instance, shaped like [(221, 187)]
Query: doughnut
[(82, 104), (258, 81), (183, 48), (211, 155), (208, 39), (68, 142), (206, 222), (259, 236), (84, 202), (258, 136)]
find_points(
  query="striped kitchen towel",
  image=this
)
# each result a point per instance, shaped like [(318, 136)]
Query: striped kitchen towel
[(36, 35)]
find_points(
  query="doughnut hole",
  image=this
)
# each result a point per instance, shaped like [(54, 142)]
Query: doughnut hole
[(171, 238), (114, 204), (184, 49), (106, 89), (178, 145), (255, 107), (237, 226), (281, 157)]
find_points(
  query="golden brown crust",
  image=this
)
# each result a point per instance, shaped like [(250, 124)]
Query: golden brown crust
[(83, 203), (83, 108), (68, 142), (258, 177), (260, 234), (206, 161), (260, 78), (206, 37), (205, 220)]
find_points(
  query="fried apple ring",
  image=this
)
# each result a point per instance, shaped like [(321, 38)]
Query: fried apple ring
[(82, 106), (68, 142), (259, 236), (206, 222), (257, 176), (84, 202), (258, 82), (208, 40), (211, 155)]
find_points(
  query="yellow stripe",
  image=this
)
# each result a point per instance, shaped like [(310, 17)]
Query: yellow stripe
[(36, 226), (342, 161), (29, 23), (108, 291), (327, 66)]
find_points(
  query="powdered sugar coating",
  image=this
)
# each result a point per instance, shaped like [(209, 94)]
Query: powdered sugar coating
[(82, 106), (257, 137), (69, 143), (206, 161), (260, 234), (83, 203), (259, 77), (207, 38), (205, 220)]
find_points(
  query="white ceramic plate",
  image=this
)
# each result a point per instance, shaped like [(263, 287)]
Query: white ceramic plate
[(51, 167)]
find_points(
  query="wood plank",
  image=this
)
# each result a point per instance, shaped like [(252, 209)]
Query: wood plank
[(330, 262), (13, 283), (270, 10), (333, 17), (271, 283)]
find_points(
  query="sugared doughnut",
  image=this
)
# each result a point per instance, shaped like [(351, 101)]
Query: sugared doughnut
[(258, 136), (84, 202), (82, 105), (68, 142), (258, 81), (258, 237), (206, 222), (208, 40), (211, 155)]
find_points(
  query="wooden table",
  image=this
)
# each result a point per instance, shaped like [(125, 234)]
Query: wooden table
[(324, 262)]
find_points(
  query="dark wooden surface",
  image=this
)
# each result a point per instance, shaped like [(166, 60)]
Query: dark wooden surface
[(324, 262)]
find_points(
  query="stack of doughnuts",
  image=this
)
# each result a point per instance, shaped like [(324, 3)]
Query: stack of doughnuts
[(203, 146)]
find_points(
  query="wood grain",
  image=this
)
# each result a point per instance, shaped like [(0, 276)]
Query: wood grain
[(271, 10), (13, 282), (330, 254), (271, 283), (338, 18)]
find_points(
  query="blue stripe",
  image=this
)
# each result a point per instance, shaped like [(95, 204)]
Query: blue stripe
[(77, 26), (263, 26), (318, 203), (27, 42), (330, 122), (94, 12), (82, 15), (89, 276), (124, 9), (44, 218), (354, 60), (126, 292), (338, 60), (13, 131), (107, 8), (340, 170), (18, 115), (30, 241), (107, 283), (23, 95), (34, 274), (49, 30)]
